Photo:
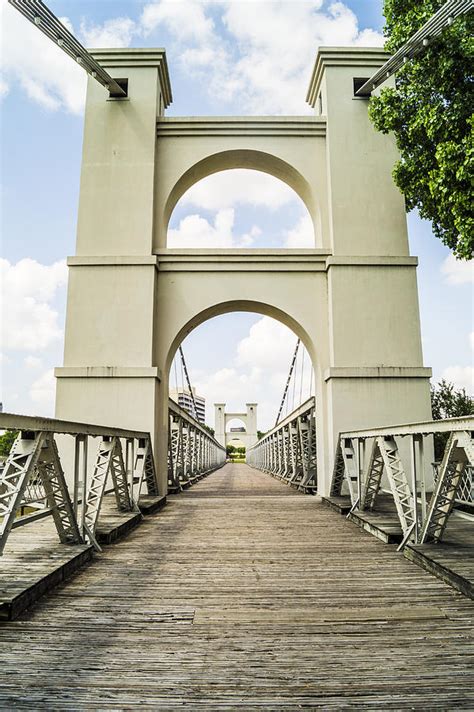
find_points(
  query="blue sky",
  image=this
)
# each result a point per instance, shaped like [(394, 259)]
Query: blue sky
[(223, 59)]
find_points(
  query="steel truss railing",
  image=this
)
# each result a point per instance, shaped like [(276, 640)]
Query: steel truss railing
[(402, 454), (193, 452), (289, 450), (34, 480), (33, 483)]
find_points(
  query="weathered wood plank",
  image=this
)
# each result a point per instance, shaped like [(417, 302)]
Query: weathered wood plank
[(243, 594)]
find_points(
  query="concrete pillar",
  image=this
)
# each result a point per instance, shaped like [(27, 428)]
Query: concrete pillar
[(109, 374), (251, 424), (376, 374), (219, 423)]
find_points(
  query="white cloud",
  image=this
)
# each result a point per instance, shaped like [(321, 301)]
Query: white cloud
[(185, 19), (254, 61), (29, 322), (302, 235), (32, 362), (4, 88), (117, 32), (249, 61), (43, 390), (457, 271), (28, 58), (239, 186), (195, 231), (257, 373), (258, 348), (461, 376)]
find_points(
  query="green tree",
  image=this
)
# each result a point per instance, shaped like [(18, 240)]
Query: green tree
[(430, 112), (447, 402), (230, 449), (6, 442), (209, 429)]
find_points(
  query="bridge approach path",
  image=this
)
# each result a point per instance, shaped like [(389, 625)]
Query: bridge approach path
[(243, 594)]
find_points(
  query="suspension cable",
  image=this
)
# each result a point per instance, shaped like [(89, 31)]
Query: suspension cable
[(436, 24), (295, 375), (302, 373), (183, 363), (292, 366), (176, 376), (41, 16)]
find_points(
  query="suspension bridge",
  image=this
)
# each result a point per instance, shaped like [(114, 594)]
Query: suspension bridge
[(334, 569)]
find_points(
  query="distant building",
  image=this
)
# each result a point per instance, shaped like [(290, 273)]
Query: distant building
[(184, 400)]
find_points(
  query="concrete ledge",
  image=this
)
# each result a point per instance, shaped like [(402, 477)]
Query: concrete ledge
[(371, 261), (384, 528), (112, 260), (461, 583), (378, 372), (113, 526), (108, 372), (341, 505), (301, 126), (346, 57), (21, 590), (150, 505)]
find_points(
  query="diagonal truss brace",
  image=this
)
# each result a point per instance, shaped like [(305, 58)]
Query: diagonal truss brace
[(20, 466), (338, 473), (373, 477), (57, 493), (144, 469), (109, 461), (459, 452), (350, 468), (402, 495), (36, 455)]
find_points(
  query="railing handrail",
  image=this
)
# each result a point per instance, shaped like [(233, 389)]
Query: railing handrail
[(446, 425), (307, 405), (183, 413), (15, 421)]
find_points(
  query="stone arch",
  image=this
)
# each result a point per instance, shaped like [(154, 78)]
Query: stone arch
[(221, 308), (232, 420), (253, 160)]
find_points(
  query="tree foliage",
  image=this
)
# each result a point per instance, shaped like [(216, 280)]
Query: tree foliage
[(430, 112), (447, 402), (6, 442)]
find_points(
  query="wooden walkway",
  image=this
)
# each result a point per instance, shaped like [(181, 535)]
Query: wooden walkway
[(243, 594)]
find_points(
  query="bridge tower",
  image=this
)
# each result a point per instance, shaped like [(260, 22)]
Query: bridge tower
[(249, 419), (352, 298)]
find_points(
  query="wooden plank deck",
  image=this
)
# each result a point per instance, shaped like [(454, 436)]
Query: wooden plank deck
[(452, 559), (35, 561), (243, 594)]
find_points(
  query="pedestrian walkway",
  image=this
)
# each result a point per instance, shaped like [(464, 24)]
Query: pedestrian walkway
[(243, 594)]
